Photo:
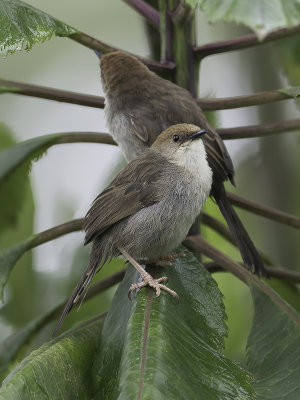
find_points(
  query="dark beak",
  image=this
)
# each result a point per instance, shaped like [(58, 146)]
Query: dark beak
[(198, 134)]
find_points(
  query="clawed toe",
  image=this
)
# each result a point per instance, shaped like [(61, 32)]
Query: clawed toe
[(154, 283), (147, 278)]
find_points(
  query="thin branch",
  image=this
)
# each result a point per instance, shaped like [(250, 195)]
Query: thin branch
[(85, 137), (93, 291), (285, 274), (147, 11), (193, 243), (104, 284), (76, 225), (50, 94), (281, 273), (256, 99), (47, 93), (103, 48), (264, 211), (223, 231), (197, 244), (56, 232), (243, 42), (98, 102), (253, 131), (217, 226)]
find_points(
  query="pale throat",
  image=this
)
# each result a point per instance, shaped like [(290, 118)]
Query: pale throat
[(192, 157)]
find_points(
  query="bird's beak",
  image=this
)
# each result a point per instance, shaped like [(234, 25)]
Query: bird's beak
[(98, 54), (198, 134)]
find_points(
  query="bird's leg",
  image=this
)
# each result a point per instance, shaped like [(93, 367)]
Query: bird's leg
[(165, 261), (147, 278)]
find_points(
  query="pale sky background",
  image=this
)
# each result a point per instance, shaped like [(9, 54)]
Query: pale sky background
[(70, 176)]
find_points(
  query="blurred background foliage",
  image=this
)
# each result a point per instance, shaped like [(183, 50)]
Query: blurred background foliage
[(65, 181)]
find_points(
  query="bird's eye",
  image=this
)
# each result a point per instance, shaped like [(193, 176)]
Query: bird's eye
[(175, 138)]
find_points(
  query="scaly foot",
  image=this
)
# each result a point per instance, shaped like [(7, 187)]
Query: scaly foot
[(148, 280)]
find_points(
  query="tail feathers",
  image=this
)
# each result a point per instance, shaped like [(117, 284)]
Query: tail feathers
[(78, 291), (247, 248)]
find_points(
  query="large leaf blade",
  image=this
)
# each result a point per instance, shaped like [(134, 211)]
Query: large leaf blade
[(59, 369), (160, 348), (274, 348), (22, 26), (13, 194), (23, 153), (15, 162), (262, 16), (8, 259)]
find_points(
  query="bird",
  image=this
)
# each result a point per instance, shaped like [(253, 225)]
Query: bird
[(139, 105), (148, 208)]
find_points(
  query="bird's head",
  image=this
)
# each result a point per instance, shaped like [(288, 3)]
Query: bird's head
[(182, 144), (118, 68)]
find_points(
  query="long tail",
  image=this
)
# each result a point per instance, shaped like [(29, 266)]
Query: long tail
[(83, 283), (247, 248)]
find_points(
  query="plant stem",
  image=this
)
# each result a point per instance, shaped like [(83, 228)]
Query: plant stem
[(197, 245), (85, 137), (166, 33), (101, 47), (187, 70), (146, 10), (243, 42), (12, 87), (93, 291), (223, 231), (50, 94), (264, 211), (76, 225), (256, 99), (217, 226), (56, 232), (44, 92), (279, 273), (253, 131)]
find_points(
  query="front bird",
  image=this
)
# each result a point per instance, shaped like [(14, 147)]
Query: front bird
[(139, 105), (149, 207)]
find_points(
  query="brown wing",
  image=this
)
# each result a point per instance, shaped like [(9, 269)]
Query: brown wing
[(134, 188)]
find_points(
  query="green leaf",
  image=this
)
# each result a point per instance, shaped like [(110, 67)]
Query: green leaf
[(10, 347), (22, 26), (288, 291), (8, 259), (24, 152), (59, 369), (274, 348), (262, 16), (162, 348), (11, 196), (15, 162), (293, 92)]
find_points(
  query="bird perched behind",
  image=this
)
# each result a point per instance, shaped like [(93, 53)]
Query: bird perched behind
[(139, 105), (149, 207)]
